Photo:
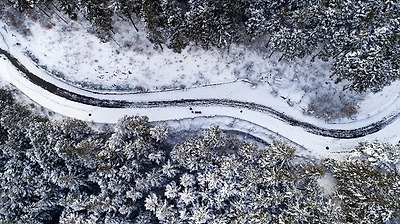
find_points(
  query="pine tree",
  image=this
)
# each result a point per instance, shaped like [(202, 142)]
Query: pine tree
[(175, 25), (128, 8), (365, 194), (155, 22), (215, 23), (21, 5), (98, 13), (70, 7)]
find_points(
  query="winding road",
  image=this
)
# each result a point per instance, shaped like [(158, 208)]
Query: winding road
[(107, 103), (236, 106)]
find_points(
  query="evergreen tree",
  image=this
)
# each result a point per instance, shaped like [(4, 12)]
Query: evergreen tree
[(215, 23), (175, 25), (155, 22), (100, 15), (21, 5), (127, 8), (365, 194), (70, 7)]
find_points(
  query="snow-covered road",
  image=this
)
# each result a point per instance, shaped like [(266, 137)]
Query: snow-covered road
[(240, 101)]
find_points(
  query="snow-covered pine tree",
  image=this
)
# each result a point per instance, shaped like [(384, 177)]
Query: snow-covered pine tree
[(128, 9), (70, 7), (383, 157), (155, 22), (100, 16), (175, 24), (215, 23), (214, 138), (21, 5), (364, 193)]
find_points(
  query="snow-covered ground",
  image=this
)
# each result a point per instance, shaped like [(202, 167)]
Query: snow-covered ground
[(130, 63), (258, 123), (286, 87)]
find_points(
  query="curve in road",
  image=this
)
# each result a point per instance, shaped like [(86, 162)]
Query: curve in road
[(107, 103)]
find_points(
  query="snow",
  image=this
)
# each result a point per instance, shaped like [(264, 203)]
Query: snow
[(240, 75), (76, 56), (257, 123), (136, 64), (375, 103), (328, 183)]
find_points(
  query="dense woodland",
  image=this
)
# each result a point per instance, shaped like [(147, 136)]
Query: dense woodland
[(64, 171), (360, 37)]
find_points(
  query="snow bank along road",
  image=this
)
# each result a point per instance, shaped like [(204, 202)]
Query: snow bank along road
[(238, 100)]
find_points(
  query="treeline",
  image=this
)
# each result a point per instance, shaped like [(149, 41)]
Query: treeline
[(361, 37), (66, 172)]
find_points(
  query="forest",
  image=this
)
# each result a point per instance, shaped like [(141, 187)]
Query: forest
[(69, 171), (361, 38), (65, 171)]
